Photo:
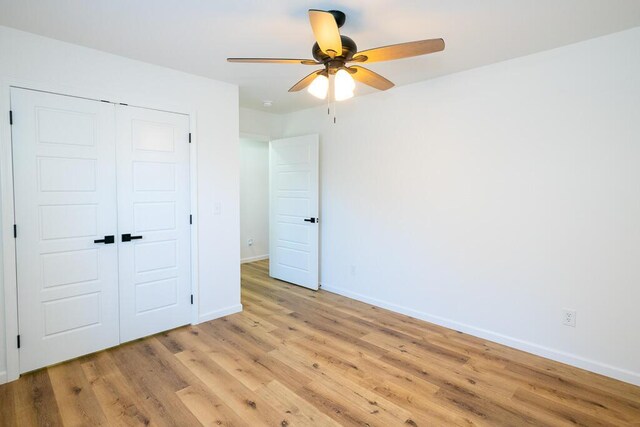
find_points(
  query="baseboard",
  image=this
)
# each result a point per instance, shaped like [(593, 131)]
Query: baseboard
[(254, 258), (216, 314), (3, 377), (539, 350)]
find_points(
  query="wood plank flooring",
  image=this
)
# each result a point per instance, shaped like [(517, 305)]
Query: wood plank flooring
[(298, 357)]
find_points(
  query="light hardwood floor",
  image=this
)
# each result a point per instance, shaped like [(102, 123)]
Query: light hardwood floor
[(298, 357)]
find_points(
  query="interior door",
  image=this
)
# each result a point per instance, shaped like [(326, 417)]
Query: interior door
[(153, 221), (293, 207), (65, 210)]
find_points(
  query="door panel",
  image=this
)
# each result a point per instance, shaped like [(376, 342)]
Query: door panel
[(65, 198), (153, 203), (293, 192)]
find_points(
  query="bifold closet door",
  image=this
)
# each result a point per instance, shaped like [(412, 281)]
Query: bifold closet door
[(153, 221), (65, 210)]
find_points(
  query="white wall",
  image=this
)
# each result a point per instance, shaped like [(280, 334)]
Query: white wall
[(254, 199), (491, 199), (254, 122), (38, 61)]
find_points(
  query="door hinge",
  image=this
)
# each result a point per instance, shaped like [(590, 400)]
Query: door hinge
[(15, 231), (190, 219), (189, 137), (18, 341), (192, 299), (10, 117)]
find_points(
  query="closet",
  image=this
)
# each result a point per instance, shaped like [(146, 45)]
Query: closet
[(102, 214)]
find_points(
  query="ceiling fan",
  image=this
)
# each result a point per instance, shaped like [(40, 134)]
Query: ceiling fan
[(334, 51)]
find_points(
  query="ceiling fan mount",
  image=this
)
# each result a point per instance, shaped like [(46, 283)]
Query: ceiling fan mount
[(334, 52), (339, 16)]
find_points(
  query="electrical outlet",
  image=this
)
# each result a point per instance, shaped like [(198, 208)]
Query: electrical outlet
[(217, 208), (250, 242), (569, 317)]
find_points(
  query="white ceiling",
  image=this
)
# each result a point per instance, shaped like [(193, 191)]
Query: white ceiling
[(197, 36)]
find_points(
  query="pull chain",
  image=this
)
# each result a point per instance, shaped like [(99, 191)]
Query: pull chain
[(331, 101), (334, 112), (329, 91)]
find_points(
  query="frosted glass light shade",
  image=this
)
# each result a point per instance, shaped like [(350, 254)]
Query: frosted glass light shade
[(344, 85), (319, 86)]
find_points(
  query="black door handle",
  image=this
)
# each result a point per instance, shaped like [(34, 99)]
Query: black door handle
[(128, 237), (107, 240), (311, 220)]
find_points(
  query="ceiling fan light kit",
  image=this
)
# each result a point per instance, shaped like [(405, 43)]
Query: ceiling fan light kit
[(319, 87), (334, 52), (344, 85)]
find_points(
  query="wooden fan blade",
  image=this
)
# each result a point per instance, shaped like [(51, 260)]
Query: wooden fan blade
[(325, 30), (368, 77), (399, 51), (306, 81), (275, 61)]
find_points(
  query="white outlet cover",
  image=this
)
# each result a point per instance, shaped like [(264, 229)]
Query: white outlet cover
[(569, 317)]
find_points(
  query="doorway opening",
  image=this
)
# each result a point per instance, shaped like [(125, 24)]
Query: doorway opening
[(279, 206), (254, 198)]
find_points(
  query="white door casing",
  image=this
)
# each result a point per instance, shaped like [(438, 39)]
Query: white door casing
[(153, 204), (65, 198), (293, 207)]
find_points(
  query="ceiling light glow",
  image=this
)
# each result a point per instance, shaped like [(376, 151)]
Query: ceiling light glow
[(319, 87), (344, 85)]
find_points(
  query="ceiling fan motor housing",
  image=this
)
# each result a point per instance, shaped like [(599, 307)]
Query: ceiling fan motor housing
[(349, 48)]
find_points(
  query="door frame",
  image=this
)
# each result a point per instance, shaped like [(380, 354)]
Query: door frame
[(9, 262)]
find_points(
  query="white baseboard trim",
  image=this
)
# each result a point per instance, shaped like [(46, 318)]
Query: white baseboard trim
[(254, 258), (539, 350), (3, 377), (216, 314)]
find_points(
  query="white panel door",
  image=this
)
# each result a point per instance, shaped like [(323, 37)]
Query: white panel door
[(65, 200), (293, 207), (153, 221)]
